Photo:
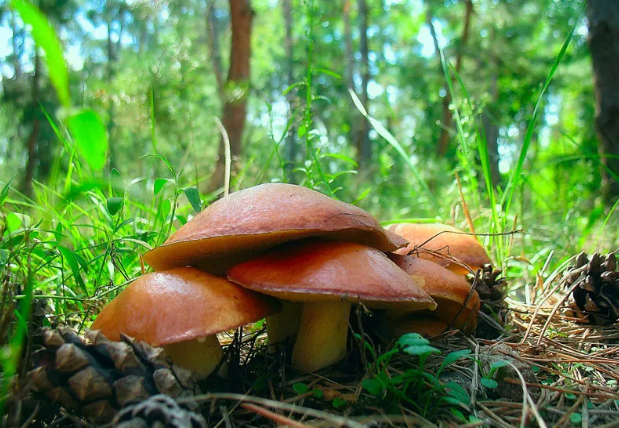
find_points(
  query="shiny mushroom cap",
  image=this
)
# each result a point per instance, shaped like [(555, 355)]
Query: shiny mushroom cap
[(328, 277), (250, 221), (457, 304), (320, 271), (447, 240), (181, 304)]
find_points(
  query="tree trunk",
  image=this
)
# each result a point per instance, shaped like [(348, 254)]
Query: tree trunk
[(353, 115), (603, 16), (364, 150), (443, 142), (291, 143), (31, 143), (237, 87), (490, 119), (18, 44)]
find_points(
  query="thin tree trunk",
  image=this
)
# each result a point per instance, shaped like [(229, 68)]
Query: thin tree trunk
[(603, 16), (31, 143), (291, 152), (364, 153), (443, 142), (214, 51), (236, 88)]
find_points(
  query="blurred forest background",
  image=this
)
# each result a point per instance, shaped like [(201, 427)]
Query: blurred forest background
[(277, 74)]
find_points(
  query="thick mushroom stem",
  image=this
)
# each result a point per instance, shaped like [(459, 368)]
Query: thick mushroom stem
[(285, 325), (201, 356), (322, 336)]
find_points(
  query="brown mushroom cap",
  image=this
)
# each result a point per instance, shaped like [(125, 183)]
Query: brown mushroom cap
[(319, 271), (444, 239), (179, 305), (450, 291), (252, 220)]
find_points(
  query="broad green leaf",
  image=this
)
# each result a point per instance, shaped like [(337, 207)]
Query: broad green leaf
[(421, 350), (452, 357), (45, 37), (13, 222), (118, 187), (373, 386), (458, 392), (159, 183), (4, 258), (114, 204), (193, 195), (339, 402), (488, 383), (90, 137), (576, 418), (300, 388), (497, 365), (413, 339)]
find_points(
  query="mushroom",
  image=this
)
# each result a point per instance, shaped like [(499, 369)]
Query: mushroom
[(445, 240), (328, 277), (252, 220), (182, 310), (457, 305)]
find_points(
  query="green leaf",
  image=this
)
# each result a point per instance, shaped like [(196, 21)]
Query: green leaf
[(90, 136), (159, 183), (576, 418), (45, 37), (458, 392), (118, 187), (73, 265), (13, 222), (339, 402), (317, 393), (458, 414), (421, 350), (114, 204), (488, 383), (5, 192), (300, 388), (413, 339), (373, 386), (452, 357), (193, 195), (497, 365), (301, 131)]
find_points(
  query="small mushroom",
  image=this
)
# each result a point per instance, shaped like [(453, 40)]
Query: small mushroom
[(328, 277), (253, 220), (426, 239), (457, 304), (182, 310)]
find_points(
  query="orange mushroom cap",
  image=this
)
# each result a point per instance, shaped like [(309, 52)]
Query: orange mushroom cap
[(444, 239), (181, 304), (252, 220), (457, 304), (316, 271)]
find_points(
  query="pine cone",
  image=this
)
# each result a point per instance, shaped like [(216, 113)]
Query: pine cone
[(490, 286), (98, 377), (597, 292), (159, 411)]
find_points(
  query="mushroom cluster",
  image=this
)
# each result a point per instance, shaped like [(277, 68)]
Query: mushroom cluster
[(280, 251), (439, 257)]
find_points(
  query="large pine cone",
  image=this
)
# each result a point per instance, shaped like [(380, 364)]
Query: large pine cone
[(597, 292), (490, 285), (98, 377), (159, 411)]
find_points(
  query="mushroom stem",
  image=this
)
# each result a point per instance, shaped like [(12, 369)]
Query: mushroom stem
[(201, 356), (284, 325), (321, 341)]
